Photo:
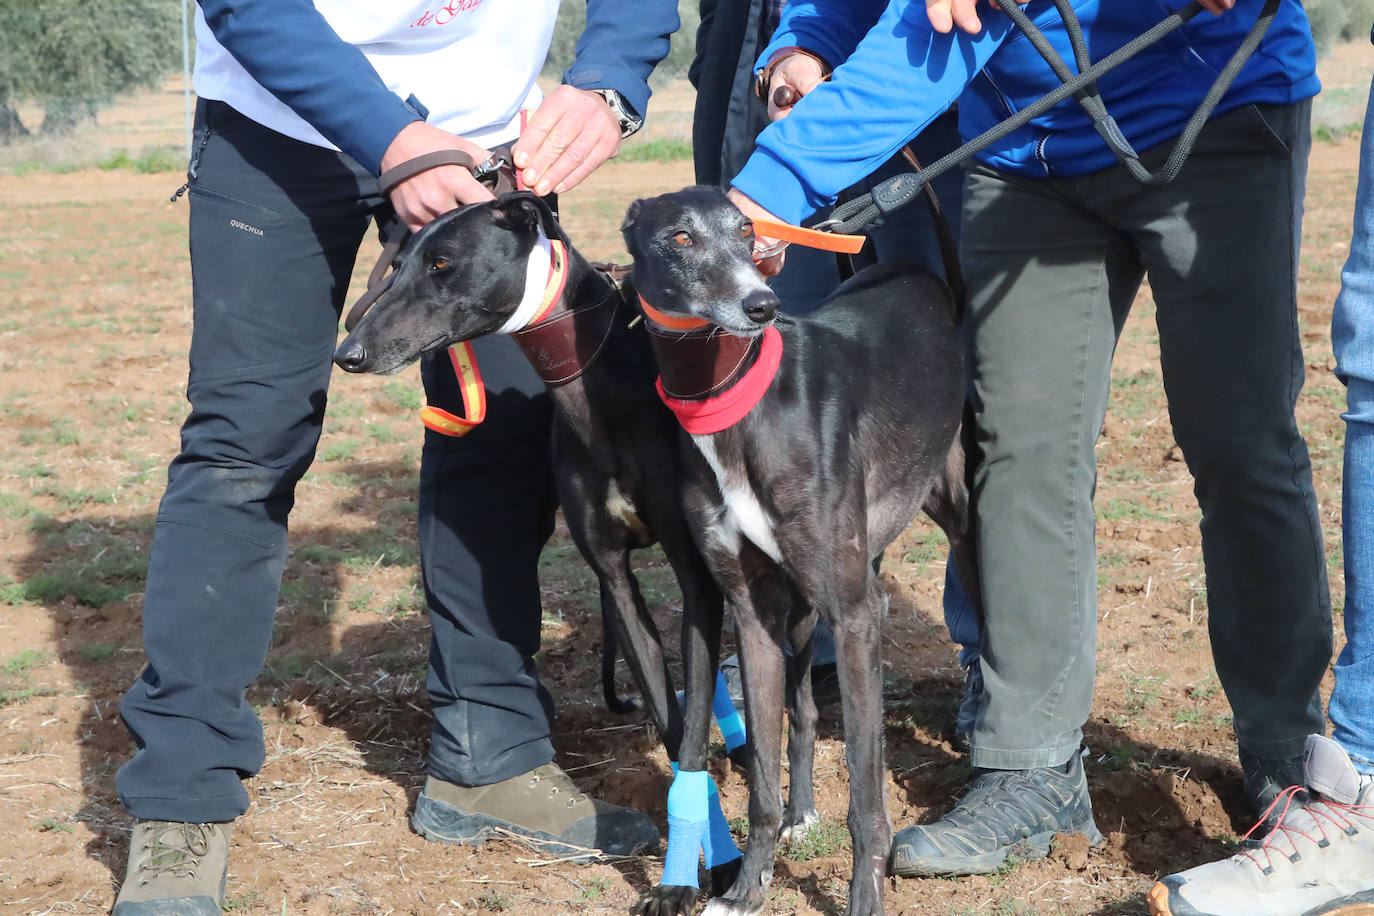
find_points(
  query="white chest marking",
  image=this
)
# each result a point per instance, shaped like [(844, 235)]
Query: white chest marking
[(741, 514)]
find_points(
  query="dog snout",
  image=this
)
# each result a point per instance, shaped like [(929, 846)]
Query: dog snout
[(761, 306), (351, 356)]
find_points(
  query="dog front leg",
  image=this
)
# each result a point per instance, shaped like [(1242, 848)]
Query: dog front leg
[(760, 618), (696, 820), (858, 645)]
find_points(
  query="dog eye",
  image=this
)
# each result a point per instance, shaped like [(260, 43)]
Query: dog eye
[(746, 230), (682, 238), (439, 264)]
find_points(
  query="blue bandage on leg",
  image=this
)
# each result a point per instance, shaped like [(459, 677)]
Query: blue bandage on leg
[(688, 824), (731, 725), (718, 846)]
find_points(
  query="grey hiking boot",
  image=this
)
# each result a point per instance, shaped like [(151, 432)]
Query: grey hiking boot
[(825, 682), (1317, 859), (543, 806), (1266, 778), (175, 869), (1004, 813)]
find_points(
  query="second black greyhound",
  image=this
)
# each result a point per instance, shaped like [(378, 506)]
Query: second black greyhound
[(477, 270), (856, 431)]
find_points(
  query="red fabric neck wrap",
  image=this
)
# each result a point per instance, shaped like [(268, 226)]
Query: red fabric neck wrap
[(703, 416)]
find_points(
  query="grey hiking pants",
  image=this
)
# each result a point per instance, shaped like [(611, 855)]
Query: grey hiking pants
[(1052, 267), (275, 228)]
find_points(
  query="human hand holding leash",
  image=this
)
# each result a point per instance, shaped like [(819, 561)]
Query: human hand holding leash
[(768, 252), (424, 196), (790, 74), (944, 15), (572, 132)]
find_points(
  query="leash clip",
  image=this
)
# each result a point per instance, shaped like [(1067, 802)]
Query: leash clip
[(489, 172)]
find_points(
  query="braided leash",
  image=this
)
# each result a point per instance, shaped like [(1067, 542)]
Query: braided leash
[(857, 214)]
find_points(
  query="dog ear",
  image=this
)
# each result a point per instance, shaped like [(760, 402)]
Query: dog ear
[(517, 211), (631, 215)]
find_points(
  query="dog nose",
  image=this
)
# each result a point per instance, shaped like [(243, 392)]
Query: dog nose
[(351, 356), (761, 306)]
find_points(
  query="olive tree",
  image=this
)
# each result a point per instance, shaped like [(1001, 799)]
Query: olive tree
[(75, 56)]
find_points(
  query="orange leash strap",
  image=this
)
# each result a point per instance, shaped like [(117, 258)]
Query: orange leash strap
[(474, 396), (811, 238)]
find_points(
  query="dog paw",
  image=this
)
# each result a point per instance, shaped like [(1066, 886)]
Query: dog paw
[(667, 900), (727, 906), (796, 826)]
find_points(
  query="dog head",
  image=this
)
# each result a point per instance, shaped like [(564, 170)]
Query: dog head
[(693, 256), (460, 277)]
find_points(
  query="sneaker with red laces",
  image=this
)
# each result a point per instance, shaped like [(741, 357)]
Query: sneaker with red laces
[(1318, 858)]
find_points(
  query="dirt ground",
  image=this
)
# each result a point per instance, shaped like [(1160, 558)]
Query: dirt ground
[(92, 376)]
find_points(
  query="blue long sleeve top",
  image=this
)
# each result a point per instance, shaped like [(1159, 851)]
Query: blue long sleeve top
[(895, 74)]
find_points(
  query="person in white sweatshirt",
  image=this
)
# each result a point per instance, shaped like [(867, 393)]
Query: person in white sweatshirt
[(301, 106)]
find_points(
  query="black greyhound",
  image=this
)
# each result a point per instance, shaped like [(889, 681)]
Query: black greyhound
[(616, 446), (856, 433)]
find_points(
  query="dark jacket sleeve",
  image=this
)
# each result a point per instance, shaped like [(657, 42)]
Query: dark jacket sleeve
[(620, 46), (288, 47)]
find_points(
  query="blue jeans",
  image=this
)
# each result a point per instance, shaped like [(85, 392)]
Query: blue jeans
[(1352, 335)]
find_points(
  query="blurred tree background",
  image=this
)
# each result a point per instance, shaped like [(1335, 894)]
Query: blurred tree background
[(1339, 20), (75, 56), (572, 15)]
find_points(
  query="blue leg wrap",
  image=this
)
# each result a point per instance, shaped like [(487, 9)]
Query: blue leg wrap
[(718, 845), (688, 826), (731, 725)]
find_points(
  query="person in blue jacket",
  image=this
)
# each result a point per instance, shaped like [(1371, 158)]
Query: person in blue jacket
[(301, 106), (1056, 241)]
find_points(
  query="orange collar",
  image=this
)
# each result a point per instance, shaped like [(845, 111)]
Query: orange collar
[(671, 322)]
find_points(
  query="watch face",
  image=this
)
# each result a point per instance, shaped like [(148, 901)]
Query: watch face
[(628, 122)]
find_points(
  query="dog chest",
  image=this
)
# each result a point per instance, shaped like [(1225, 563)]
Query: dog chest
[(741, 514)]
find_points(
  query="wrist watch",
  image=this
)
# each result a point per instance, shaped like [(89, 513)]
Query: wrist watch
[(629, 121)]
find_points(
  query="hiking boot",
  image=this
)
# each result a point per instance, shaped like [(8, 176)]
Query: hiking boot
[(174, 869), (543, 806), (1266, 778), (825, 682), (1317, 859), (1005, 813), (968, 703)]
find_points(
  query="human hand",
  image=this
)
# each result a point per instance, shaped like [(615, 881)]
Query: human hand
[(946, 14), (790, 79), (572, 132), (422, 197), (768, 252), (1217, 7)]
